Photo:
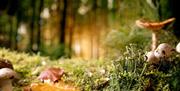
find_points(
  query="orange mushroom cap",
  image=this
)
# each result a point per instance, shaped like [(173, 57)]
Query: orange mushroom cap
[(153, 25)]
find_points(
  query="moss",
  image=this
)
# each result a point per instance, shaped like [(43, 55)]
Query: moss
[(127, 71)]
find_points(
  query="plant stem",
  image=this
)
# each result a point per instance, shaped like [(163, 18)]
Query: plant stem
[(154, 41), (143, 70)]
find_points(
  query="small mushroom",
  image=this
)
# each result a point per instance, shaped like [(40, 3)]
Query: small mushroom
[(154, 27), (6, 77), (151, 58), (4, 63), (164, 50), (178, 48), (51, 74)]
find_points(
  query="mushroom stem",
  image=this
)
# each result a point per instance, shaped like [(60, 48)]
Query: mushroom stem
[(6, 85), (154, 41)]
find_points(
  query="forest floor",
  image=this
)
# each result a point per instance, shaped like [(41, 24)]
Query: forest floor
[(29, 67), (127, 72)]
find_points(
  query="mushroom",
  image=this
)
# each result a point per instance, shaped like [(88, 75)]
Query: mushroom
[(164, 50), (51, 74), (6, 77), (178, 48), (151, 58), (4, 63), (154, 27)]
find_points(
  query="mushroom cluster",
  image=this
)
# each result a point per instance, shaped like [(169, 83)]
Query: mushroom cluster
[(163, 51), (7, 74)]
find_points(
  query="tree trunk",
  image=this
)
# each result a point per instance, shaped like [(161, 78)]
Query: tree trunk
[(16, 33), (39, 25), (95, 31), (32, 25), (175, 10), (72, 16), (10, 32), (63, 23)]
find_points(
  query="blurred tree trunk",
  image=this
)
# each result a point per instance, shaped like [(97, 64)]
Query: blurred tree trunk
[(16, 32), (95, 32), (10, 32), (18, 20), (62, 25), (159, 10), (175, 11), (63, 22), (39, 25), (11, 10), (32, 24), (70, 25)]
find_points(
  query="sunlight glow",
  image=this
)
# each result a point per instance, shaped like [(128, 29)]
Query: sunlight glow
[(45, 13), (110, 4), (83, 9), (22, 29), (77, 48)]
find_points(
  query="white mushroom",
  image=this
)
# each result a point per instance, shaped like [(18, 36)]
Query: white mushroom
[(151, 58), (6, 76), (164, 50), (178, 48)]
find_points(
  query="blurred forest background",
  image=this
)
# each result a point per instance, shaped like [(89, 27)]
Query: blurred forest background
[(76, 28)]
